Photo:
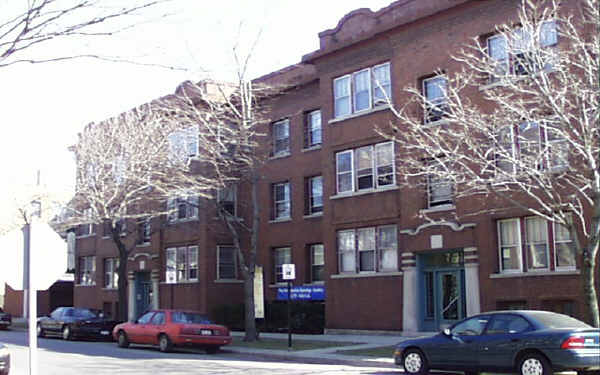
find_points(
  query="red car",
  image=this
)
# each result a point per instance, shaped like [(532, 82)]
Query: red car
[(168, 328)]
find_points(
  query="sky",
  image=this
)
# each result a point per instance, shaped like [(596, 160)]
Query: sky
[(44, 106)]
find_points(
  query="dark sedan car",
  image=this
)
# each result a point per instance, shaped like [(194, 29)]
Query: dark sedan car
[(4, 360), (528, 342), (5, 319), (73, 322)]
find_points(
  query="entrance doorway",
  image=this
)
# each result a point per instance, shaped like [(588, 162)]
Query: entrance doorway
[(443, 286), (143, 292)]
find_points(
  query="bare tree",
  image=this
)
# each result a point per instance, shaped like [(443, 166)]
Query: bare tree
[(517, 128), (26, 26), (127, 169)]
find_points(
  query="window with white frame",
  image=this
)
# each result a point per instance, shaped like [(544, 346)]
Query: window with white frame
[(144, 231), (281, 256), (181, 264), (182, 208), (372, 249), (435, 93), (111, 273), (523, 51), (314, 188), (312, 129), (536, 243), (226, 199), (365, 168), (184, 144), (281, 201), (87, 270), (439, 188), (317, 263), (510, 245), (86, 229), (280, 131), (564, 248), (362, 90), (226, 263)]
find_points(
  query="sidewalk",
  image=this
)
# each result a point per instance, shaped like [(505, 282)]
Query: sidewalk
[(330, 354)]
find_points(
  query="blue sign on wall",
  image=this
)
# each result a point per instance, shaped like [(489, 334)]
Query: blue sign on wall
[(310, 292)]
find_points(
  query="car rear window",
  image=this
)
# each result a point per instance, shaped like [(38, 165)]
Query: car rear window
[(551, 320), (189, 318)]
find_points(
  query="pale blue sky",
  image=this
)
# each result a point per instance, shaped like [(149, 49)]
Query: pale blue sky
[(45, 106)]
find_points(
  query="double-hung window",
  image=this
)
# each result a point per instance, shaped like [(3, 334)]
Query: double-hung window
[(365, 168), (314, 188), (181, 264), (281, 201), (435, 94), (111, 273), (182, 208), (184, 144), (505, 152), (143, 231), (281, 137), (226, 263), (564, 248), (87, 270), (509, 233), (312, 129), (226, 199), (317, 263), (372, 249), (362, 90), (86, 229), (536, 243), (439, 188), (281, 256)]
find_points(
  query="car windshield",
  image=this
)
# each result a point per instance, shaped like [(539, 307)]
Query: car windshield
[(80, 313), (550, 320), (189, 318)]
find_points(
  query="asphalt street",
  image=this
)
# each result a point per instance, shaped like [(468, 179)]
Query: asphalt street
[(57, 356)]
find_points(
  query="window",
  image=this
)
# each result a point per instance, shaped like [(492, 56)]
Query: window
[(158, 318), (227, 265), (535, 246), (510, 249), (86, 229), (314, 188), (362, 90), (87, 270), (563, 247), (281, 255), (536, 243), (182, 208), (434, 91), (226, 198), (556, 146), (365, 168), (317, 263), (471, 327), (439, 188), (281, 201), (183, 144), (507, 324), (143, 231), (520, 53), (181, 264), (312, 129), (372, 249), (111, 273), (281, 137)]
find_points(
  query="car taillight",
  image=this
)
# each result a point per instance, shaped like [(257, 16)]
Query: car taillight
[(573, 342)]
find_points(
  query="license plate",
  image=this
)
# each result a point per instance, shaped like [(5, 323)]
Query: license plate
[(206, 332), (105, 333)]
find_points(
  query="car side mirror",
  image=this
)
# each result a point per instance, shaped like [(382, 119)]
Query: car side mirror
[(447, 332)]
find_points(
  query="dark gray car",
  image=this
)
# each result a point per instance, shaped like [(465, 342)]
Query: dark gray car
[(4, 360), (527, 342)]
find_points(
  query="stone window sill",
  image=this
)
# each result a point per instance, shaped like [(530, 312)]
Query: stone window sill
[(359, 114), (313, 216), (281, 156), (440, 208), (363, 275), (510, 275), (312, 148), (229, 281), (282, 220), (363, 192)]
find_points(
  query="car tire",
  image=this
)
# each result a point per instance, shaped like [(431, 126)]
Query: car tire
[(212, 349), (414, 362), (122, 340), (534, 364), (40, 331), (164, 343), (67, 333)]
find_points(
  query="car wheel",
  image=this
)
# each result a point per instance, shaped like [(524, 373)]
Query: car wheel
[(164, 343), (66, 333), (414, 362), (212, 349), (40, 331), (122, 340), (534, 364)]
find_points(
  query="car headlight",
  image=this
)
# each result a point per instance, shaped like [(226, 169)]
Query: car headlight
[(4, 352)]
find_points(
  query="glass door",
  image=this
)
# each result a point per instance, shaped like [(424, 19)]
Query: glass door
[(450, 298)]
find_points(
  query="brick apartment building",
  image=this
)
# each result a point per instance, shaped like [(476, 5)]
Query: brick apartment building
[(332, 204)]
